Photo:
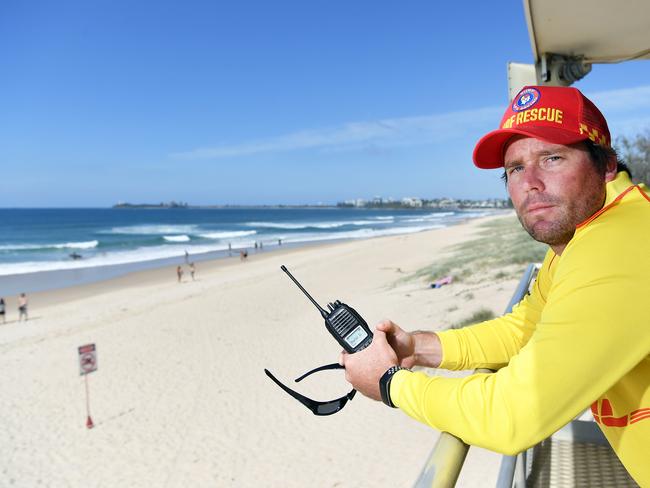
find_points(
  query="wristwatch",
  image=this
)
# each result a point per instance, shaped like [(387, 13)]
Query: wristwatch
[(384, 385)]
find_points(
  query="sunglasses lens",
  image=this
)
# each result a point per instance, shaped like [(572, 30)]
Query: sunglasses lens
[(329, 408)]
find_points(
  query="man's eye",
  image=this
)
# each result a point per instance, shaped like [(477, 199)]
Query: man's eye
[(514, 169), (552, 159)]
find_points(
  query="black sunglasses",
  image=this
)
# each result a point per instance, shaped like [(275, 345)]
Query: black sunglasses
[(317, 407)]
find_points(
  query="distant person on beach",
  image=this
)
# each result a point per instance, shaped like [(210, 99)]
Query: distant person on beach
[(187, 257), (229, 249), (2, 310), (581, 338), (22, 307), (179, 273), (192, 270), (279, 242), (243, 254)]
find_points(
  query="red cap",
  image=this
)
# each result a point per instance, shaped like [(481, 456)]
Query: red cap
[(555, 114)]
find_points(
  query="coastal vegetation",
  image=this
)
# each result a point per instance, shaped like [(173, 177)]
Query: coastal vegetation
[(480, 315), (635, 152), (501, 251), (171, 204)]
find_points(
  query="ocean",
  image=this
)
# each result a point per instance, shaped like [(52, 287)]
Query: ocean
[(66, 247)]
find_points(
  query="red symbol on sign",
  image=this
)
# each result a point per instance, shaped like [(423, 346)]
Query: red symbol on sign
[(87, 359), (88, 362)]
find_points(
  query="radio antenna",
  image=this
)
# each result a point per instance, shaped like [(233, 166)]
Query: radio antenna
[(320, 309)]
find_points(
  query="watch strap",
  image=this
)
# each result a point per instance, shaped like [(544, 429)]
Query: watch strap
[(384, 385)]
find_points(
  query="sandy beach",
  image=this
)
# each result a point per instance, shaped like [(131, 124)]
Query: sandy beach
[(180, 397)]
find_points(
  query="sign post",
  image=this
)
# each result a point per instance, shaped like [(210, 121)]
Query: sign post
[(87, 364)]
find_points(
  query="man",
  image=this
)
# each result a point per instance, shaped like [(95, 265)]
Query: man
[(581, 338), (22, 307)]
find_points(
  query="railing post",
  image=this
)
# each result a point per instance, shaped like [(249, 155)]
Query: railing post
[(506, 472), (444, 463)]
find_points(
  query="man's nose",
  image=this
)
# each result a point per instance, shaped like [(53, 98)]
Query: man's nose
[(532, 179)]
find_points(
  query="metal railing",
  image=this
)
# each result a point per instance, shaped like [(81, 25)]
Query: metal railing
[(446, 460)]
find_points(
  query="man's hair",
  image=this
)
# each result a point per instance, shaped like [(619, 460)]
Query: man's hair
[(599, 156)]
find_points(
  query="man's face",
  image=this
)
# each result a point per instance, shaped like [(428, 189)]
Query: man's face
[(553, 188)]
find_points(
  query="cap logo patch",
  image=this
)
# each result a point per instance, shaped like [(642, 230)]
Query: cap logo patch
[(526, 99)]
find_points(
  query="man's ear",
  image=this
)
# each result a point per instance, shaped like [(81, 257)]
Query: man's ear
[(610, 171)]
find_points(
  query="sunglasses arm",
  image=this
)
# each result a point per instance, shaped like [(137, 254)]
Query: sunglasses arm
[(301, 398), (320, 368)]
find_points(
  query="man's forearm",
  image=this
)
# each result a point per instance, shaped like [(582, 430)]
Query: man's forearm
[(427, 349)]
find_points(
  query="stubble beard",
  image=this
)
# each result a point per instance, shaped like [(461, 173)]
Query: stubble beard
[(569, 215), (555, 233)]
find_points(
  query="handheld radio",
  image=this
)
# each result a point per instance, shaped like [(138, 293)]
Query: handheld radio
[(342, 321)]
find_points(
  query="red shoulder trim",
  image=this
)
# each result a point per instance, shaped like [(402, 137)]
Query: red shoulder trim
[(616, 200), (645, 195)]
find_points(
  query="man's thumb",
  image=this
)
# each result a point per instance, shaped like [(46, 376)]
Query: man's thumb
[(385, 326)]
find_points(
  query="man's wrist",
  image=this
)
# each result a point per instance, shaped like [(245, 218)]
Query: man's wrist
[(428, 349), (384, 385)]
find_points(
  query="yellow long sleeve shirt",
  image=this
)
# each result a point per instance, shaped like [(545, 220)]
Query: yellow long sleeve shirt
[(580, 338)]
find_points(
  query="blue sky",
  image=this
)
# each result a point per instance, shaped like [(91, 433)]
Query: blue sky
[(263, 102)]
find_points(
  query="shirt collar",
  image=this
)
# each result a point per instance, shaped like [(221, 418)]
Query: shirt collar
[(617, 186)]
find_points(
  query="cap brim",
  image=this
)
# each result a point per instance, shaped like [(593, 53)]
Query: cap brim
[(490, 149)]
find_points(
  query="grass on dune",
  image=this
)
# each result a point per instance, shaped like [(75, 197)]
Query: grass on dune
[(479, 315), (502, 250)]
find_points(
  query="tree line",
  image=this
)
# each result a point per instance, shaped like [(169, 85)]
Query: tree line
[(635, 152)]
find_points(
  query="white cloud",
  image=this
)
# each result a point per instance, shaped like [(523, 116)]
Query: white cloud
[(386, 132), (624, 108), (628, 126), (626, 99)]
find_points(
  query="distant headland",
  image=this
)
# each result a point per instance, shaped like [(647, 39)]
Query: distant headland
[(377, 202), (171, 204)]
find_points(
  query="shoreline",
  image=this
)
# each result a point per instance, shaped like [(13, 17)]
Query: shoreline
[(38, 282), (155, 275), (48, 280)]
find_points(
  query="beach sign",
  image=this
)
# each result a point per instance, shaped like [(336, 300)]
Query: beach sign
[(87, 359), (87, 364)]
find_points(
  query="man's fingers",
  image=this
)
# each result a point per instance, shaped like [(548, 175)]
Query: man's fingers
[(342, 358), (385, 326), (380, 335), (380, 339)]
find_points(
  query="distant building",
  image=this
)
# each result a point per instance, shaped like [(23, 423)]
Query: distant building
[(412, 202)]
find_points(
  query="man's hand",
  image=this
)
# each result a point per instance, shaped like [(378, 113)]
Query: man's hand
[(363, 369), (419, 348), (401, 341)]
